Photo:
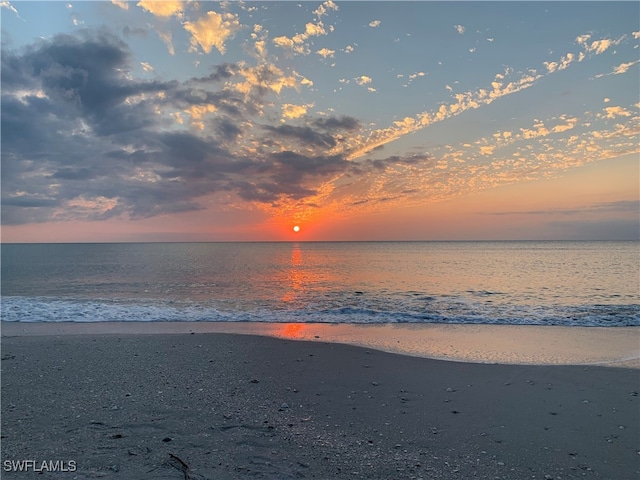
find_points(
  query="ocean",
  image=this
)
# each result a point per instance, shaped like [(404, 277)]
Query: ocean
[(506, 283)]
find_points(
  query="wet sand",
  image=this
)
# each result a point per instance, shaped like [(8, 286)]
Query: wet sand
[(228, 406), (512, 344)]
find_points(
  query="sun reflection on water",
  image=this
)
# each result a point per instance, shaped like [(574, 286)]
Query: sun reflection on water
[(296, 276), (292, 331)]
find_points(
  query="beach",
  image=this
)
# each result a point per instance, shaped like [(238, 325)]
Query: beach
[(205, 405)]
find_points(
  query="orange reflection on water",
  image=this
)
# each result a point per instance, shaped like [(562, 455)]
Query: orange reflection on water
[(296, 255), (296, 275), (292, 331)]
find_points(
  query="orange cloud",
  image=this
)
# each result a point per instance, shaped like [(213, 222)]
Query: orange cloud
[(613, 112), (325, 52), (165, 8), (624, 67), (471, 100), (121, 3), (212, 30), (363, 80), (297, 43), (294, 111)]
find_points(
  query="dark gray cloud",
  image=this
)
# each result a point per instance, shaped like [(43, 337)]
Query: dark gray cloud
[(72, 136), (220, 72), (230, 102), (286, 175), (605, 229), (228, 129), (268, 191), (622, 206), (304, 135), (84, 77), (381, 164), (303, 165), (29, 202), (135, 31), (90, 74), (67, 173), (337, 123)]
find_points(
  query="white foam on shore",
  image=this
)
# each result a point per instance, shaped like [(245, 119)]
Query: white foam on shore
[(507, 344)]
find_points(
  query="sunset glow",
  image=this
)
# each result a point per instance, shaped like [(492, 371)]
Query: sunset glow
[(205, 121)]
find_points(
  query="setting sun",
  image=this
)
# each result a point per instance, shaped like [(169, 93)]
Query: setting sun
[(296, 229)]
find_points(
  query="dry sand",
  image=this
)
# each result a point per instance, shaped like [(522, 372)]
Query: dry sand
[(240, 406)]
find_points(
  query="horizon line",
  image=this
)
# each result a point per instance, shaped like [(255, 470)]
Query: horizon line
[(322, 241)]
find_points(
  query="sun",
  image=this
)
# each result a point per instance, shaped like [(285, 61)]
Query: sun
[(296, 229)]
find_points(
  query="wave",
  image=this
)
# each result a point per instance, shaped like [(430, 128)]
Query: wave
[(445, 310)]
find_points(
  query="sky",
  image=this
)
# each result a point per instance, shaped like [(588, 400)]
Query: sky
[(364, 120)]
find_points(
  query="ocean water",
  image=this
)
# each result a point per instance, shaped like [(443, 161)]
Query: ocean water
[(533, 283)]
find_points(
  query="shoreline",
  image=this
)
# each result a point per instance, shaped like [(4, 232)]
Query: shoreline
[(494, 344)]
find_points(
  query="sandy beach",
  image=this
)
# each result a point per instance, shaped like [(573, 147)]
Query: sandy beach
[(227, 406)]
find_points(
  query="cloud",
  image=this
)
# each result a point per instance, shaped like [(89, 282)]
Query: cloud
[(395, 160), (613, 112), (123, 4), (223, 71), (284, 42), (265, 78), (624, 67), (153, 162), (290, 177), (487, 149), (325, 52), (159, 147), (140, 165), (464, 101), (363, 80), (227, 128), (324, 8), (76, 21), (9, 6), (86, 75), (562, 64), (619, 206), (298, 43), (599, 229), (261, 48), (570, 124), (314, 30), (164, 8), (304, 135), (167, 39), (197, 113), (212, 30), (337, 123), (294, 111), (597, 46)]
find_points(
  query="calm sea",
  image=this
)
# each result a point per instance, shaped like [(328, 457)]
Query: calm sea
[(541, 283)]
